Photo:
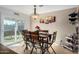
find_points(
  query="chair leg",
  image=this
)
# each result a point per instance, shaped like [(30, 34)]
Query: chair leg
[(24, 50), (48, 50), (29, 45), (36, 49), (31, 50), (53, 50)]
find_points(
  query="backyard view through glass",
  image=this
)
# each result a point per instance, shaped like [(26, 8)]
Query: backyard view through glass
[(12, 31)]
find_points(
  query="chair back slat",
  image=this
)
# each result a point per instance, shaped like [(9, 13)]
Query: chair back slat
[(43, 32)]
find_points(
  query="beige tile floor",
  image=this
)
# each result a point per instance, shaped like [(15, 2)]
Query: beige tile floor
[(58, 49)]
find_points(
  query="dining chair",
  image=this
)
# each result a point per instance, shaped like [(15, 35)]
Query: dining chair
[(53, 39), (43, 31), (26, 38), (43, 34), (48, 43), (35, 41)]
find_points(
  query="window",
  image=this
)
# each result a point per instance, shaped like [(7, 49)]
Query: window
[(12, 31)]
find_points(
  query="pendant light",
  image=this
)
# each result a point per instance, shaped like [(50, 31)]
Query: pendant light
[(35, 15)]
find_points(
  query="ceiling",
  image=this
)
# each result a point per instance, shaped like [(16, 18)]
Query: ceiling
[(28, 9)]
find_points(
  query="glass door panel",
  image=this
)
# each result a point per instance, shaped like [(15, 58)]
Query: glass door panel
[(20, 27), (9, 33)]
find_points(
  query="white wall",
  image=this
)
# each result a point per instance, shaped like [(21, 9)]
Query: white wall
[(6, 13), (0, 27), (62, 25)]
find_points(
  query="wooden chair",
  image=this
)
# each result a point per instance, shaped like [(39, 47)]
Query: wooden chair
[(43, 37), (43, 31), (26, 38), (53, 39), (47, 42), (35, 41)]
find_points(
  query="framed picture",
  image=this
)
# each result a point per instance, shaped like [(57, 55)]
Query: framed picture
[(48, 19)]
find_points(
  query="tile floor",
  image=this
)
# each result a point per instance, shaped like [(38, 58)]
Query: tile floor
[(19, 48)]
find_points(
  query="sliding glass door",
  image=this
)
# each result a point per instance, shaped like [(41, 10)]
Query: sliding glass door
[(18, 29), (12, 31), (9, 31)]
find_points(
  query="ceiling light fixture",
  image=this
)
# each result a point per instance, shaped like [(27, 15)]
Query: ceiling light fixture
[(35, 15)]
